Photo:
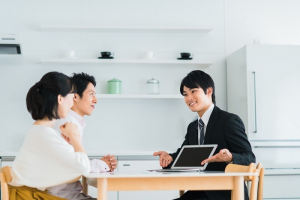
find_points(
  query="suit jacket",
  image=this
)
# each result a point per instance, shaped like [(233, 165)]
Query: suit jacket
[(228, 131)]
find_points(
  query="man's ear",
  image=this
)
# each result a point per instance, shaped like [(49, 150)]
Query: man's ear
[(209, 91), (76, 97), (60, 99)]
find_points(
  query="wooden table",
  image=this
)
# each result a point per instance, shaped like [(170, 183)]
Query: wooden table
[(128, 181)]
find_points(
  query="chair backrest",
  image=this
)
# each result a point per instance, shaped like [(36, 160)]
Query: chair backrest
[(261, 176), (241, 168), (256, 190), (5, 177)]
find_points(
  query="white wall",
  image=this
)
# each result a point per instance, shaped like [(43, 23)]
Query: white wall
[(116, 125), (143, 125), (272, 21)]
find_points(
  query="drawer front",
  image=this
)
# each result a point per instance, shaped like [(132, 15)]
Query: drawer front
[(111, 195), (279, 157), (6, 163), (138, 165), (286, 186)]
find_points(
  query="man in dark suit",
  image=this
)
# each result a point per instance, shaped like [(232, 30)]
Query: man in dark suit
[(214, 126)]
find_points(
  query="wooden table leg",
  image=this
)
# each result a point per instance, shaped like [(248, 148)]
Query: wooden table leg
[(102, 188), (238, 191), (84, 185)]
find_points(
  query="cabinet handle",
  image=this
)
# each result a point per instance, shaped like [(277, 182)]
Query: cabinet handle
[(254, 92), (127, 165)]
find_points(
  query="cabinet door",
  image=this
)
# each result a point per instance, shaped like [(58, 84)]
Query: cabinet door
[(275, 93), (278, 158), (92, 191), (281, 187), (143, 165), (7, 161)]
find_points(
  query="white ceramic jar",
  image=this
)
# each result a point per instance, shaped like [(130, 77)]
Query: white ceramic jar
[(153, 86)]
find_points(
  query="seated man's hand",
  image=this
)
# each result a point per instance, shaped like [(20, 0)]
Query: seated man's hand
[(113, 162), (110, 161), (223, 156), (164, 158), (66, 138)]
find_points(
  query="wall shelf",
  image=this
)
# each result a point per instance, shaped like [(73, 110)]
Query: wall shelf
[(123, 61), (96, 28), (139, 96)]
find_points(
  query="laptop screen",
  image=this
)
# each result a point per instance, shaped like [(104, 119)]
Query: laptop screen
[(193, 156)]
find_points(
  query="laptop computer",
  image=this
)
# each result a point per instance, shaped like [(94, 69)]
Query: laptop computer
[(190, 158)]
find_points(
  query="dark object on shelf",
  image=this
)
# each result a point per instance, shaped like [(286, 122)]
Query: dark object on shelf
[(107, 54), (105, 57), (184, 58)]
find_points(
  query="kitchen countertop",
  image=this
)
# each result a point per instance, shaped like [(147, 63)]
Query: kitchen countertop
[(147, 155), (8, 154), (100, 154), (282, 172)]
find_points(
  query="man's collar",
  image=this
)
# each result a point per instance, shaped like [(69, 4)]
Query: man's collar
[(206, 115), (78, 118)]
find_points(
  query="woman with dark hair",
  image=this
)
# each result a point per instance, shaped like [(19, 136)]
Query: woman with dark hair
[(46, 159)]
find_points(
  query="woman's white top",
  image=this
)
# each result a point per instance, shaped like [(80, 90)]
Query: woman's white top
[(45, 159)]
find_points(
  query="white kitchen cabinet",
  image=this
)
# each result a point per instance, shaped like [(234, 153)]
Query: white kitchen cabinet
[(142, 165), (285, 187), (282, 174), (278, 157), (261, 89), (7, 161), (111, 195)]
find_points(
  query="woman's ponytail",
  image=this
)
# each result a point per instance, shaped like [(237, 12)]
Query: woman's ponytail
[(34, 101)]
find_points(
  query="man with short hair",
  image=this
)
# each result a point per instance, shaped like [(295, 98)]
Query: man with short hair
[(214, 126), (84, 104)]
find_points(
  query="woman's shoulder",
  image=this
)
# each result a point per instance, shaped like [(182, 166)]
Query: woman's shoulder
[(44, 137), (41, 129), (42, 132)]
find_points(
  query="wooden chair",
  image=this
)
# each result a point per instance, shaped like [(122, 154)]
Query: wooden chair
[(256, 190), (261, 176), (5, 177)]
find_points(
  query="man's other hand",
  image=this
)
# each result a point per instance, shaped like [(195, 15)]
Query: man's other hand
[(66, 138), (164, 158), (223, 156), (110, 161)]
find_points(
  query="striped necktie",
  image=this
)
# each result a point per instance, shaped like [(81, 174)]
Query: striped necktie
[(201, 127)]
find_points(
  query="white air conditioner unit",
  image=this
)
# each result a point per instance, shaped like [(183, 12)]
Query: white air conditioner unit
[(10, 43)]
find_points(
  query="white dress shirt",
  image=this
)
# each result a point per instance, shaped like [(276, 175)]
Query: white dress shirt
[(45, 160), (97, 165), (205, 118)]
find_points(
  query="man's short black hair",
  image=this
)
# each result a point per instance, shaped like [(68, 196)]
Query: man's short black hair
[(41, 99), (196, 79), (81, 81)]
